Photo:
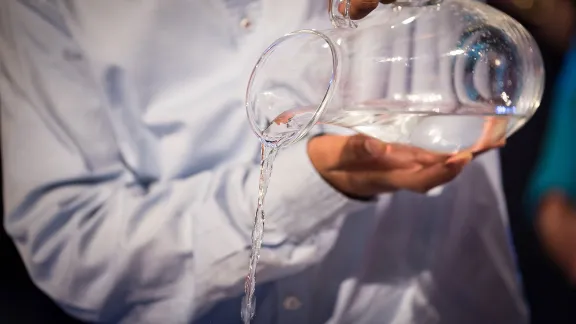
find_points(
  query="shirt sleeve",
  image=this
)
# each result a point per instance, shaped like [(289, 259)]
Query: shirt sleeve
[(556, 169), (107, 245)]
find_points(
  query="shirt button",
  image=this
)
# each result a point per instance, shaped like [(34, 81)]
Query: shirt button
[(292, 303), (245, 23)]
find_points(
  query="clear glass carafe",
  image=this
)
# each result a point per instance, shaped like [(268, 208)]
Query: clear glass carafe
[(443, 75)]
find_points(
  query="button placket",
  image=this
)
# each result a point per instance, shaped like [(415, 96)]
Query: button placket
[(293, 299), (249, 14), (244, 12)]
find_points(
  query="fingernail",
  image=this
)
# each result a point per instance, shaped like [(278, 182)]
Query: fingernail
[(459, 160), (373, 147)]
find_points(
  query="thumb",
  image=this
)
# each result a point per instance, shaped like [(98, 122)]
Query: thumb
[(362, 152), (334, 152), (359, 149), (433, 176)]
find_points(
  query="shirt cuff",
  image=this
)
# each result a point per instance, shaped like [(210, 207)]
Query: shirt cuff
[(300, 200)]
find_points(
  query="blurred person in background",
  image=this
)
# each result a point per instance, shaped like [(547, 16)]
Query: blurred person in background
[(552, 23), (131, 178), (552, 194)]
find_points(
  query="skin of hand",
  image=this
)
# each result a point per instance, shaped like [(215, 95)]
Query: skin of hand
[(362, 167), (556, 228), (361, 8)]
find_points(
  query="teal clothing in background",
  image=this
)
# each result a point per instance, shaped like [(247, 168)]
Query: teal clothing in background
[(556, 169)]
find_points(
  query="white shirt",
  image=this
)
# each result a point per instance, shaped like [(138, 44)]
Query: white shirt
[(131, 180)]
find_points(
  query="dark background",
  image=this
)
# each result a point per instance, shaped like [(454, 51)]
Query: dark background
[(551, 298)]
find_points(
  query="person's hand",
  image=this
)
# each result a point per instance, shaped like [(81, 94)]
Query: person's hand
[(493, 135), (361, 8), (360, 166), (556, 228)]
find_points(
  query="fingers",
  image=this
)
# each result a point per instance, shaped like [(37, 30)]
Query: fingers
[(493, 135), (499, 144), (462, 158), (432, 177), (420, 178), (403, 156), (425, 179), (330, 152), (363, 166), (358, 151), (396, 167), (366, 153), (361, 8)]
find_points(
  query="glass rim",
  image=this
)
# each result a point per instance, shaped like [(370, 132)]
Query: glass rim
[(328, 94)]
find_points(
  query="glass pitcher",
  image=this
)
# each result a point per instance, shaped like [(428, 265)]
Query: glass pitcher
[(443, 75)]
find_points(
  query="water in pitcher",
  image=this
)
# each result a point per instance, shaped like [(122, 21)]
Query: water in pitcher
[(442, 133), (465, 128)]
